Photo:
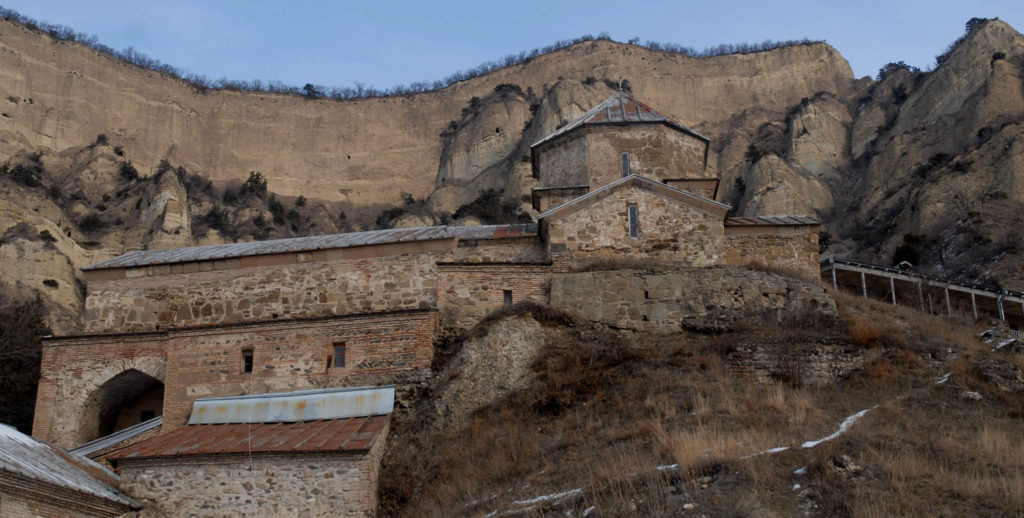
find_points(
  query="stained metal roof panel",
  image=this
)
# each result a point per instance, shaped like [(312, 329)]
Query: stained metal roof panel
[(751, 221)]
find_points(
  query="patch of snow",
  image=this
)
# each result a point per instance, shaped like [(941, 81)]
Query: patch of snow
[(547, 498), (668, 467), (843, 427), (1004, 343), (796, 487), (943, 379), (801, 471), (769, 450), (587, 511)]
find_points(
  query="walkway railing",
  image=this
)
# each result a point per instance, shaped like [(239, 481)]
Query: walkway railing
[(831, 265)]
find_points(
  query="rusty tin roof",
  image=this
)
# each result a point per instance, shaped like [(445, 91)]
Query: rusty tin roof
[(620, 108), (353, 435), (311, 243), (758, 221)]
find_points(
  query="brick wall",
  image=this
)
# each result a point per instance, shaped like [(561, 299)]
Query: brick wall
[(669, 230), (381, 348), (520, 250), (792, 249), (239, 294), (72, 371), (467, 293), (23, 497), (296, 484)]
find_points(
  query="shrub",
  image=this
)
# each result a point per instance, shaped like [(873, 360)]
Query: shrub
[(387, 216), (589, 81), (90, 223), (118, 150), (255, 184), (300, 201), (45, 235), (506, 88), (489, 209), (276, 210), (54, 191), (22, 327), (127, 171), (909, 250), (101, 139), (218, 218), (753, 154), (230, 196), (29, 175)]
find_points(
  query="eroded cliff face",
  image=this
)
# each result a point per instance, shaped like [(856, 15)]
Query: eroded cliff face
[(792, 131)]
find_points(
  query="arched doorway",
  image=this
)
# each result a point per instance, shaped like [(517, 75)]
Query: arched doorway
[(127, 399)]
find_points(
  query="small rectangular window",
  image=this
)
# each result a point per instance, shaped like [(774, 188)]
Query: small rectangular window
[(339, 355), (634, 223), (508, 298), (625, 165), (247, 361)]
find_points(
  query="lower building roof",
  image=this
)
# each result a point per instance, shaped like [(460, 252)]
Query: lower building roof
[(28, 458), (768, 221), (351, 435)]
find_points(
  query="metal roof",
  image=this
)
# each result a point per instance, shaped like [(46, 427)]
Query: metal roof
[(304, 405), (620, 108), (754, 221), (627, 179), (305, 244), (119, 436), (355, 434), (31, 459)]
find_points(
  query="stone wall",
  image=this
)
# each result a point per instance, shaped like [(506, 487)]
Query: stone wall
[(518, 250), (791, 249), (381, 349), (563, 162), (669, 230), (655, 151), (468, 292), (239, 294), (292, 485), (707, 299), (803, 364)]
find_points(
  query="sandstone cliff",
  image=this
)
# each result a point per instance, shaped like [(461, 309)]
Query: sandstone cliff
[(934, 154)]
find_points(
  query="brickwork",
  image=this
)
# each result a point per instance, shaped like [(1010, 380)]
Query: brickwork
[(792, 249), (381, 348), (655, 151), (262, 293), (467, 293), (292, 485), (74, 369), (26, 498), (669, 230), (707, 299)]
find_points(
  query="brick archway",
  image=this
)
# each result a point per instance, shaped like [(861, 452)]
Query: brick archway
[(109, 389)]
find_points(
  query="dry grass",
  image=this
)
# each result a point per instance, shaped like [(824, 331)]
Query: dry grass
[(606, 407)]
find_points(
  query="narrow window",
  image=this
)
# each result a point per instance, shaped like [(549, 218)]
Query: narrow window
[(625, 165), (508, 298), (339, 355), (246, 361), (634, 223)]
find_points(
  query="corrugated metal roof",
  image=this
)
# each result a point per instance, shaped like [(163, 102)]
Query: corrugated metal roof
[(618, 109), (771, 221), (119, 436), (29, 458), (305, 244), (305, 405), (355, 434), (630, 178)]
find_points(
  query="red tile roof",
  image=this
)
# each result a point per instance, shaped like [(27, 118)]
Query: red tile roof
[(355, 434)]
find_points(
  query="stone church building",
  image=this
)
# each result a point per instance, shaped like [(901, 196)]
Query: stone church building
[(214, 363)]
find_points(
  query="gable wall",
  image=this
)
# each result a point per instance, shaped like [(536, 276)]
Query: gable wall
[(563, 162), (670, 231), (655, 151), (793, 249)]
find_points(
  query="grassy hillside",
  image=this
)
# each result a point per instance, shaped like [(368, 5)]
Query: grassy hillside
[(618, 423)]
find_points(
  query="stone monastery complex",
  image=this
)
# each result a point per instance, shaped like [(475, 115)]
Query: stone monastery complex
[(207, 373)]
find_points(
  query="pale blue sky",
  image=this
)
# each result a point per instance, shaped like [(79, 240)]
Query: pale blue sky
[(383, 44)]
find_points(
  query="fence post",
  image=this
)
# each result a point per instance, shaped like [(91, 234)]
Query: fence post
[(892, 290), (974, 306), (863, 285), (832, 260), (949, 307)]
